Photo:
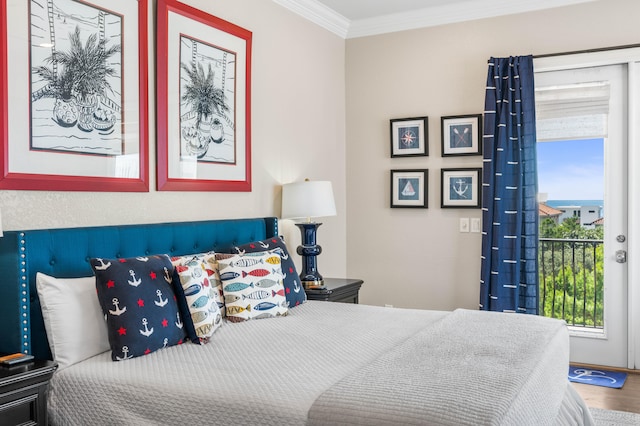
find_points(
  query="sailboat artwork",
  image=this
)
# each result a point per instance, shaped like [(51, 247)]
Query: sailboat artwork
[(76, 78), (408, 188), (207, 102)]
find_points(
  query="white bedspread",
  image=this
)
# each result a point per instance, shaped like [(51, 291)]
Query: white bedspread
[(467, 369), (265, 372)]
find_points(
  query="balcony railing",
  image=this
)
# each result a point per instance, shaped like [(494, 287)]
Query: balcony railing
[(572, 281)]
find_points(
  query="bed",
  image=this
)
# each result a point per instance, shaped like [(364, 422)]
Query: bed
[(315, 363)]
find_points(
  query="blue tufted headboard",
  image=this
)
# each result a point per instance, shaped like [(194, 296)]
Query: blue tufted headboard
[(65, 253)]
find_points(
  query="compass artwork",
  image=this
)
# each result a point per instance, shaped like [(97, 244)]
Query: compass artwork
[(461, 187), (76, 78), (409, 137)]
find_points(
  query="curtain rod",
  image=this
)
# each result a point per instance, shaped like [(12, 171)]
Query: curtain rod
[(575, 52)]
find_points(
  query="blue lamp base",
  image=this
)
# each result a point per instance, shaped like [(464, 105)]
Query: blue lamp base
[(309, 275)]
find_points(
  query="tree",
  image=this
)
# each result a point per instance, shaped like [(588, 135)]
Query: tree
[(84, 69), (201, 93), (571, 272)]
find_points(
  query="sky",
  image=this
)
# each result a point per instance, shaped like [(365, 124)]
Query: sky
[(571, 170)]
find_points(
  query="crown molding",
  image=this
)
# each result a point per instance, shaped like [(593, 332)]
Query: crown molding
[(469, 10), (449, 14), (320, 14)]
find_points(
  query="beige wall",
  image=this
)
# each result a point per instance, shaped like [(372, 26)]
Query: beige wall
[(298, 132), (413, 257)]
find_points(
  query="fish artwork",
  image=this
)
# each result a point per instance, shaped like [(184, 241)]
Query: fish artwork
[(181, 268), (256, 273), (199, 316), (274, 260), (234, 287), (256, 295), (235, 310), (264, 306), (277, 293), (200, 302), (229, 276), (230, 298), (246, 262), (266, 283), (204, 329), (192, 289)]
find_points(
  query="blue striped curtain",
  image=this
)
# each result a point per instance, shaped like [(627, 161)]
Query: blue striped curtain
[(509, 272)]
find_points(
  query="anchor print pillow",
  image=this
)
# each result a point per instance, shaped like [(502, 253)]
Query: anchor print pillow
[(198, 297), (252, 286), (292, 285), (139, 304)]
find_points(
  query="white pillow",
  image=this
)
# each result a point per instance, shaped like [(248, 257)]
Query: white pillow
[(73, 319)]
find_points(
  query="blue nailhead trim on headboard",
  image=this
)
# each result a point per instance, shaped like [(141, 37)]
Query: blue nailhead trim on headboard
[(24, 306)]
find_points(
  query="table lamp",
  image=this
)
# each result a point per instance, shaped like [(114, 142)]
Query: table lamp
[(307, 200)]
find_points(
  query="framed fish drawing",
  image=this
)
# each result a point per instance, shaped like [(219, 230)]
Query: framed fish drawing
[(409, 188), (461, 135), (75, 96), (204, 101), (461, 188)]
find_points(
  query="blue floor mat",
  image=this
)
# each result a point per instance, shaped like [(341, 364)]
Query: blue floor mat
[(598, 377)]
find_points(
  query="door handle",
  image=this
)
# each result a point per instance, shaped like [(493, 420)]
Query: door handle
[(621, 256)]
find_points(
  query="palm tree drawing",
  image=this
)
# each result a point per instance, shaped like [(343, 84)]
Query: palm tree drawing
[(205, 100), (82, 78)]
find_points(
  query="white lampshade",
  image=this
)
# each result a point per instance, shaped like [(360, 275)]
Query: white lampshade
[(307, 199)]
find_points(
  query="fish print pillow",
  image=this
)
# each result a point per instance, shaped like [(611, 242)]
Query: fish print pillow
[(252, 286), (294, 291), (198, 298), (138, 302)]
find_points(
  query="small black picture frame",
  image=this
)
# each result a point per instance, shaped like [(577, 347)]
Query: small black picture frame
[(460, 188), (461, 135), (409, 188), (409, 137)]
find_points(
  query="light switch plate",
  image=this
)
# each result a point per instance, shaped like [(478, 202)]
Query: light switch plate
[(464, 224), (475, 224)]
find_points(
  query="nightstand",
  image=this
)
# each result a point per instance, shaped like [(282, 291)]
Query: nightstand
[(23, 392), (337, 290)]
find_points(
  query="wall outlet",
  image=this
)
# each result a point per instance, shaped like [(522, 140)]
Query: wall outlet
[(388, 306), (464, 224), (475, 224)]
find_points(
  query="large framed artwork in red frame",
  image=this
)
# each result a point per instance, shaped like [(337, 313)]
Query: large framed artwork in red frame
[(203, 101), (74, 94)]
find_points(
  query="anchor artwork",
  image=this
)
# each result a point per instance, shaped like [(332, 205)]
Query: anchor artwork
[(461, 187), (76, 78)]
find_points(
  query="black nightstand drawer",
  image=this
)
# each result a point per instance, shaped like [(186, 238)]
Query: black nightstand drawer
[(344, 290), (23, 393), (21, 407)]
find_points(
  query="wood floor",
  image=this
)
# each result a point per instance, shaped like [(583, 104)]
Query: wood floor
[(625, 399)]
